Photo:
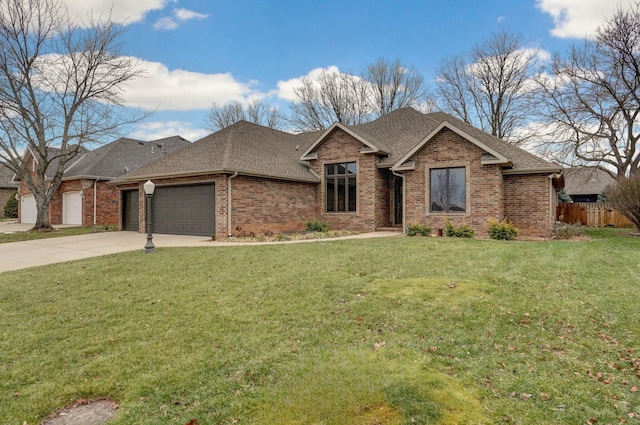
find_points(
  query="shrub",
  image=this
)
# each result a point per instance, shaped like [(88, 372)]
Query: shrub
[(624, 197), (11, 207), (317, 226), (563, 198), (502, 230), (418, 229), (462, 231), (566, 231), (280, 237)]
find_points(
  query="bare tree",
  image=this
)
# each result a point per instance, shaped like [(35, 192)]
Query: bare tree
[(624, 196), (351, 99), (60, 86), (334, 97), (490, 87), (256, 111), (592, 98), (393, 86)]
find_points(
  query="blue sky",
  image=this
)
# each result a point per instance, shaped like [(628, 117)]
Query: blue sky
[(196, 52)]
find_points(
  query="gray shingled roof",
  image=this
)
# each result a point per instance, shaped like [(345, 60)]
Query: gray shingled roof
[(252, 149), (586, 180), (121, 156), (522, 160), (6, 177), (243, 147), (404, 129)]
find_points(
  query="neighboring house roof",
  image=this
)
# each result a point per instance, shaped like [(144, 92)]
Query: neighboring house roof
[(252, 149), (121, 156), (586, 180), (6, 178), (242, 147), (53, 164)]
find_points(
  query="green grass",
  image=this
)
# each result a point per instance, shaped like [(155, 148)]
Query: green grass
[(65, 231), (383, 331)]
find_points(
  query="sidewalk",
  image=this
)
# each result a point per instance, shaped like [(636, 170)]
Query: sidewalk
[(20, 255)]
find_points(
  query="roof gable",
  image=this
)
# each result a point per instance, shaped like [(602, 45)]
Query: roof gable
[(371, 147), (495, 156)]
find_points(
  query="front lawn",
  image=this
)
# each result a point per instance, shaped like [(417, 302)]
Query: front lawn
[(363, 332), (21, 236)]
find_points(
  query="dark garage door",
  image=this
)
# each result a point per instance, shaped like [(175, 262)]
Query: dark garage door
[(184, 210), (130, 210)]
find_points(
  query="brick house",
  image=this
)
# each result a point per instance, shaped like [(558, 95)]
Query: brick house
[(7, 186), (84, 197), (405, 167)]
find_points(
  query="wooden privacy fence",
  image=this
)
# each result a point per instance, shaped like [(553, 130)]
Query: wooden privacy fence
[(591, 214)]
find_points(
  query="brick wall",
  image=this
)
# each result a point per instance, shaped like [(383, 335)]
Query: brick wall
[(107, 204), (373, 199), (483, 184), (529, 203), (261, 205)]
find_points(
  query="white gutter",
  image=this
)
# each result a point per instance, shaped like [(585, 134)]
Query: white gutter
[(233, 176), (404, 199), (95, 198), (552, 196)]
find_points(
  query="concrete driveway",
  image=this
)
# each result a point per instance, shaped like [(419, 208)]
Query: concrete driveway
[(40, 252), (20, 255)]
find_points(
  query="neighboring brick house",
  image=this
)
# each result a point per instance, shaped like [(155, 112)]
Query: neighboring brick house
[(7, 186), (84, 197), (586, 183), (405, 167)]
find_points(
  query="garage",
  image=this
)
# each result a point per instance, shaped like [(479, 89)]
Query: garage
[(184, 210), (28, 210), (72, 208), (130, 209)]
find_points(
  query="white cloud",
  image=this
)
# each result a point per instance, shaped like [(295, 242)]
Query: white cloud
[(166, 23), (160, 129), (579, 18), (122, 11), (181, 90), (286, 89), (129, 12), (185, 15), (182, 15)]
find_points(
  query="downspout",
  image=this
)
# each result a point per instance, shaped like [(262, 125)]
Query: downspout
[(95, 198), (404, 200), (552, 195), (233, 176)]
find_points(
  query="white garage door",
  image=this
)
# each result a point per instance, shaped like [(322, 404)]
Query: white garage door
[(28, 211), (72, 208)]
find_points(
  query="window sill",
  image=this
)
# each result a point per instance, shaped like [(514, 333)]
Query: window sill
[(341, 212)]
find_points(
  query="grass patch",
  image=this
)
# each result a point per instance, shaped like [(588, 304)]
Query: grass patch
[(381, 331), (65, 231)]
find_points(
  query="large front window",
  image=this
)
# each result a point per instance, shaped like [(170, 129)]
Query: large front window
[(341, 187), (448, 190)]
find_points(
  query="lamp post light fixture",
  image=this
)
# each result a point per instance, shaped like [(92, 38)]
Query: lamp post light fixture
[(149, 188)]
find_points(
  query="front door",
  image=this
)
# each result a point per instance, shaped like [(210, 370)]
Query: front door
[(397, 201)]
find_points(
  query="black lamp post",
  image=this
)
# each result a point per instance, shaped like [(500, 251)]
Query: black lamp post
[(149, 188)]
